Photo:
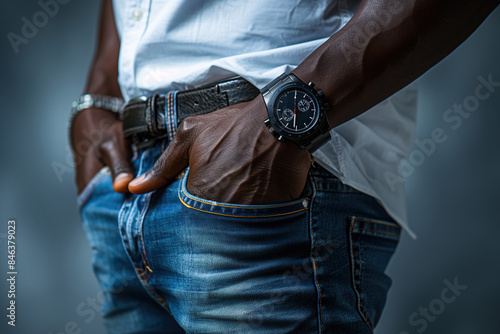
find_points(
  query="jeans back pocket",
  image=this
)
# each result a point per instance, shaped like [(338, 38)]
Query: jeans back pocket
[(372, 244)]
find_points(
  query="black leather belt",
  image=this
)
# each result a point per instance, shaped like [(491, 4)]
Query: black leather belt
[(144, 118)]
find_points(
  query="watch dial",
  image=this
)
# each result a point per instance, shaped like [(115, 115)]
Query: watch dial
[(296, 110)]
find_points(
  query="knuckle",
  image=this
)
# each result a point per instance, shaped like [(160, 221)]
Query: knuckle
[(158, 167), (121, 166), (105, 146), (188, 126)]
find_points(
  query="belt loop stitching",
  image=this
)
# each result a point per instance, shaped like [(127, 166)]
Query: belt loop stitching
[(174, 109), (167, 115), (171, 115), (171, 121), (151, 114)]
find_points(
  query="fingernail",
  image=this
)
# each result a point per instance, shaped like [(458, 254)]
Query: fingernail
[(138, 180), (120, 184), (122, 175)]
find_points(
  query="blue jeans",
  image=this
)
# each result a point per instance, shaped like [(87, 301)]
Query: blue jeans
[(170, 262)]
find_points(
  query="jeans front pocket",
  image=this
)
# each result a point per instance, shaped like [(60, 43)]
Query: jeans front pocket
[(83, 197), (372, 244), (230, 268), (239, 210)]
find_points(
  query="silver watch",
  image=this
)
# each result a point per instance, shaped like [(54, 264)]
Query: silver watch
[(111, 103)]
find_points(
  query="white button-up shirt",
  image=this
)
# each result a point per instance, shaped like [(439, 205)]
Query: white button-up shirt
[(181, 44)]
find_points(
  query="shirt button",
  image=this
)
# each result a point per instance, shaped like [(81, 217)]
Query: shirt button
[(137, 14)]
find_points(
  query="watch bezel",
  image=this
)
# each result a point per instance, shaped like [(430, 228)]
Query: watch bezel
[(273, 98)]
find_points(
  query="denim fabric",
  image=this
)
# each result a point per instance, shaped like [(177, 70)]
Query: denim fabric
[(168, 260), (126, 306)]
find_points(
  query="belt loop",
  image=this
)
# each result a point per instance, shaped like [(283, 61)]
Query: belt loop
[(171, 114), (222, 90), (151, 114)]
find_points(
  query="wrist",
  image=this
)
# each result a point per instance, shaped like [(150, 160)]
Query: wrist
[(101, 105), (256, 112)]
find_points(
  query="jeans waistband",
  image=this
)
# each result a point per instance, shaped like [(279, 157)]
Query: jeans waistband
[(149, 118)]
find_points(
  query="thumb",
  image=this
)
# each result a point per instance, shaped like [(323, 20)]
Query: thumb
[(172, 162)]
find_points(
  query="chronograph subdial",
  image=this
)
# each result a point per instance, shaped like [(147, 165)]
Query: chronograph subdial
[(287, 115), (304, 105)]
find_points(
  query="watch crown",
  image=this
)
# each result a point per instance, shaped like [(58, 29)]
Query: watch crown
[(267, 122), (310, 84), (280, 138), (320, 92)]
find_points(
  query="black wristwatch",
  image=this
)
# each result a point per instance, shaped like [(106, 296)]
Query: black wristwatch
[(297, 112)]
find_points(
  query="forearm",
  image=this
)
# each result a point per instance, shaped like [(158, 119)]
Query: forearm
[(385, 46), (103, 74), (96, 134)]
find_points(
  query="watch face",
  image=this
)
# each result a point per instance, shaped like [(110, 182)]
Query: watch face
[(296, 110)]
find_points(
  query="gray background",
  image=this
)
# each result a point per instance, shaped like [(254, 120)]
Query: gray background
[(452, 195)]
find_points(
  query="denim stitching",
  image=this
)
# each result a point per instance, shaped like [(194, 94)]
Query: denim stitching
[(145, 280), (313, 246), (144, 271), (157, 297), (359, 307), (377, 222), (375, 231), (142, 215), (167, 116), (145, 259), (170, 116), (235, 206), (90, 187), (238, 216)]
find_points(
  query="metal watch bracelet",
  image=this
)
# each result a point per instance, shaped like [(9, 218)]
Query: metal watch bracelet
[(86, 101)]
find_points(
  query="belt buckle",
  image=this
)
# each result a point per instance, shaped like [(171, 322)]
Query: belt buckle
[(141, 141)]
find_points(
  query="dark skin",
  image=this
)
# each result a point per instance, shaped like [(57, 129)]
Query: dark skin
[(232, 156), (108, 148)]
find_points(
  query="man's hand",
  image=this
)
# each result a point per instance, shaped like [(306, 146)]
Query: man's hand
[(96, 134), (233, 158), (97, 140)]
